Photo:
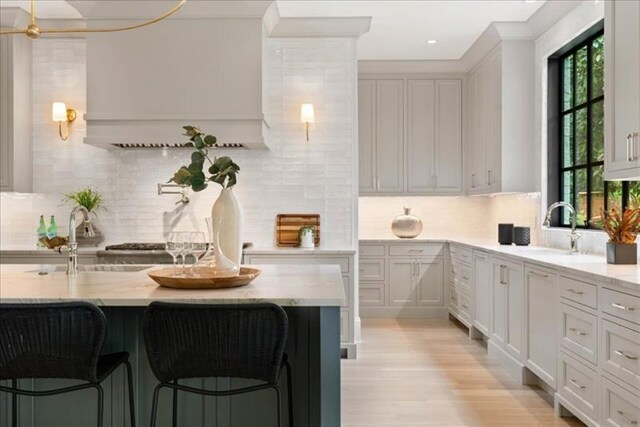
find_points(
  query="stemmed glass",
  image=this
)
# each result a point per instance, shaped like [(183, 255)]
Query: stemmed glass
[(175, 246), (197, 246)]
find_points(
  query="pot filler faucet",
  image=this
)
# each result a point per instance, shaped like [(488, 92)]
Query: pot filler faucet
[(572, 215)]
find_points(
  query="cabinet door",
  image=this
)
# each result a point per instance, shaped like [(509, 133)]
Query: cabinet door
[(498, 331), (482, 292), (477, 128), (541, 289), (421, 135), (622, 67), (390, 136), (402, 281), (515, 310), (366, 135), (494, 122), (430, 282), (448, 145)]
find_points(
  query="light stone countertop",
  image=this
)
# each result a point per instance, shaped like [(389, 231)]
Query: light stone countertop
[(285, 285), (296, 251), (594, 266)]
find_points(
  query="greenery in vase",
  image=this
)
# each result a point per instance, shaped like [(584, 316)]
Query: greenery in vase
[(221, 170), (87, 197)]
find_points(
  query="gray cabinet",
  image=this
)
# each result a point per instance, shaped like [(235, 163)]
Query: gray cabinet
[(429, 281), (507, 321), (402, 283), (410, 136), (482, 291), (15, 114), (622, 79)]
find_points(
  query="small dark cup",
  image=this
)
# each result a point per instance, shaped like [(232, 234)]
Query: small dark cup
[(521, 236), (505, 234)]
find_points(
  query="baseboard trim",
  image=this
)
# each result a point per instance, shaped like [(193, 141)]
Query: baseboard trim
[(415, 312), (511, 365)]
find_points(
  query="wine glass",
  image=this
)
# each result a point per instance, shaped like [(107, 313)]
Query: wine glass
[(197, 246), (174, 247), (183, 238)]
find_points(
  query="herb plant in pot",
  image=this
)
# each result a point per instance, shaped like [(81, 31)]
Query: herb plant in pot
[(227, 216), (87, 233), (622, 230)]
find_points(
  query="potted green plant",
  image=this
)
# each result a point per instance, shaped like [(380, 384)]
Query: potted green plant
[(622, 231), (88, 234), (306, 237), (226, 212)]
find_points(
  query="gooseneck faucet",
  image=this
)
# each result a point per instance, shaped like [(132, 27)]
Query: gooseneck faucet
[(72, 260), (573, 217)]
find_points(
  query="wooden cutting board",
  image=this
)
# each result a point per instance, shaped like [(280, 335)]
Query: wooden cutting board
[(289, 225)]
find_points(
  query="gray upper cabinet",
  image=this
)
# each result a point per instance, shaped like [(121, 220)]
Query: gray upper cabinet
[(389, 136), (622, 80), (410, 136), (15, 115)]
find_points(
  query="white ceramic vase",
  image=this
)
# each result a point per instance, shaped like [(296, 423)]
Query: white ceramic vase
[(228, 219)]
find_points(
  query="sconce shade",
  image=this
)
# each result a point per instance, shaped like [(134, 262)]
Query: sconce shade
[(307, 115), (59, 112)]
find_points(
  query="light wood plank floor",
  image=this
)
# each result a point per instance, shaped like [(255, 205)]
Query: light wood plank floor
[(427, 372)]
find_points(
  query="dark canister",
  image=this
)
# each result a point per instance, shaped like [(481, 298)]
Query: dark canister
[(521, 236), (505, 234)]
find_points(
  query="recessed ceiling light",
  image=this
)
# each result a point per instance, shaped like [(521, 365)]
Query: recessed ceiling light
[(529, 1), (432, 41)]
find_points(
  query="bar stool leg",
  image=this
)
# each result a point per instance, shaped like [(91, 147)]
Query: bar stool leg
[(100, 404), (175, 405), (279, 398), (14, 404), (289, 393), (154, 406), (132, 412)]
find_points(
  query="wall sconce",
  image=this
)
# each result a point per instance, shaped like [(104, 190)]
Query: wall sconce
[(60, 114), (307, 116)]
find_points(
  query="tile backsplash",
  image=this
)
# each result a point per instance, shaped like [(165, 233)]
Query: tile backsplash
[(295, 176)]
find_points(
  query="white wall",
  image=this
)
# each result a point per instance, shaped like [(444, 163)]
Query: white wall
[(294, 177)]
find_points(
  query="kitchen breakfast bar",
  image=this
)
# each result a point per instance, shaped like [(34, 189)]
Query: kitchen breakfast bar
[(310, 295)]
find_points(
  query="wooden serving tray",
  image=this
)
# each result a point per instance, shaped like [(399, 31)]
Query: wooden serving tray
[(205, 279), (288, 226)]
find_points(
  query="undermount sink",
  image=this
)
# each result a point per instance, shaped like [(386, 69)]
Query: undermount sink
[(114, 268)]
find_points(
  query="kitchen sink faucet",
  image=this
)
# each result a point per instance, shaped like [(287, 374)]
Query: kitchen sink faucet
[(72, 243), (572, 215)]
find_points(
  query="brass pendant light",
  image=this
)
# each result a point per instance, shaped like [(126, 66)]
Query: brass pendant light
[(33, 31)]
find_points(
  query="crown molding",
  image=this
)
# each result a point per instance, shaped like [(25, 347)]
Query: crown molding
[(369, 66), (352, 27)]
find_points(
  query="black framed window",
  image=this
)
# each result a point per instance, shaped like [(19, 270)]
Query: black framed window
[(576, 134)]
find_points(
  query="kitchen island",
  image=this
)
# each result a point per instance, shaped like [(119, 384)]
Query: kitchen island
[(311, 296)]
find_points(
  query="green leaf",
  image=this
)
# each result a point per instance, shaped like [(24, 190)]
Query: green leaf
[(197, 157), (197, 180), (182, 176), (197, 188), (223, 162), (232, 180), (198, 143), (213, 169), (191, 131), (210, 140), (195, 168)]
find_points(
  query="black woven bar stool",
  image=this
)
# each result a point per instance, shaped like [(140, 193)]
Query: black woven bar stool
[(207, 341), (60, 341)]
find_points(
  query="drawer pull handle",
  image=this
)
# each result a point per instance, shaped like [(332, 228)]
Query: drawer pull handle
[(454, 298), (465, 278), (416, 250), (623, 354), (535, 273), (577, 384), (577, 332), (573, 291), (465, 307), (627, 419), (622, 307)]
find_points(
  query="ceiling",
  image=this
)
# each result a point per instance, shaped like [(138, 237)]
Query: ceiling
[(399, 28)]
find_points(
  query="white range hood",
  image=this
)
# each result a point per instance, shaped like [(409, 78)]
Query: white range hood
[(201, 67)]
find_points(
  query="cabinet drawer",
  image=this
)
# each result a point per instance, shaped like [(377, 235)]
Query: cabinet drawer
[(372, 269), (372, 294), (578, 291), (621, 305), (464, 308), (578, 384), (621, 352), (454, 299), (619, 406), (372, 250), (303, 259), (579, 332), (460, 254), (415, 249), (461, 276)]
